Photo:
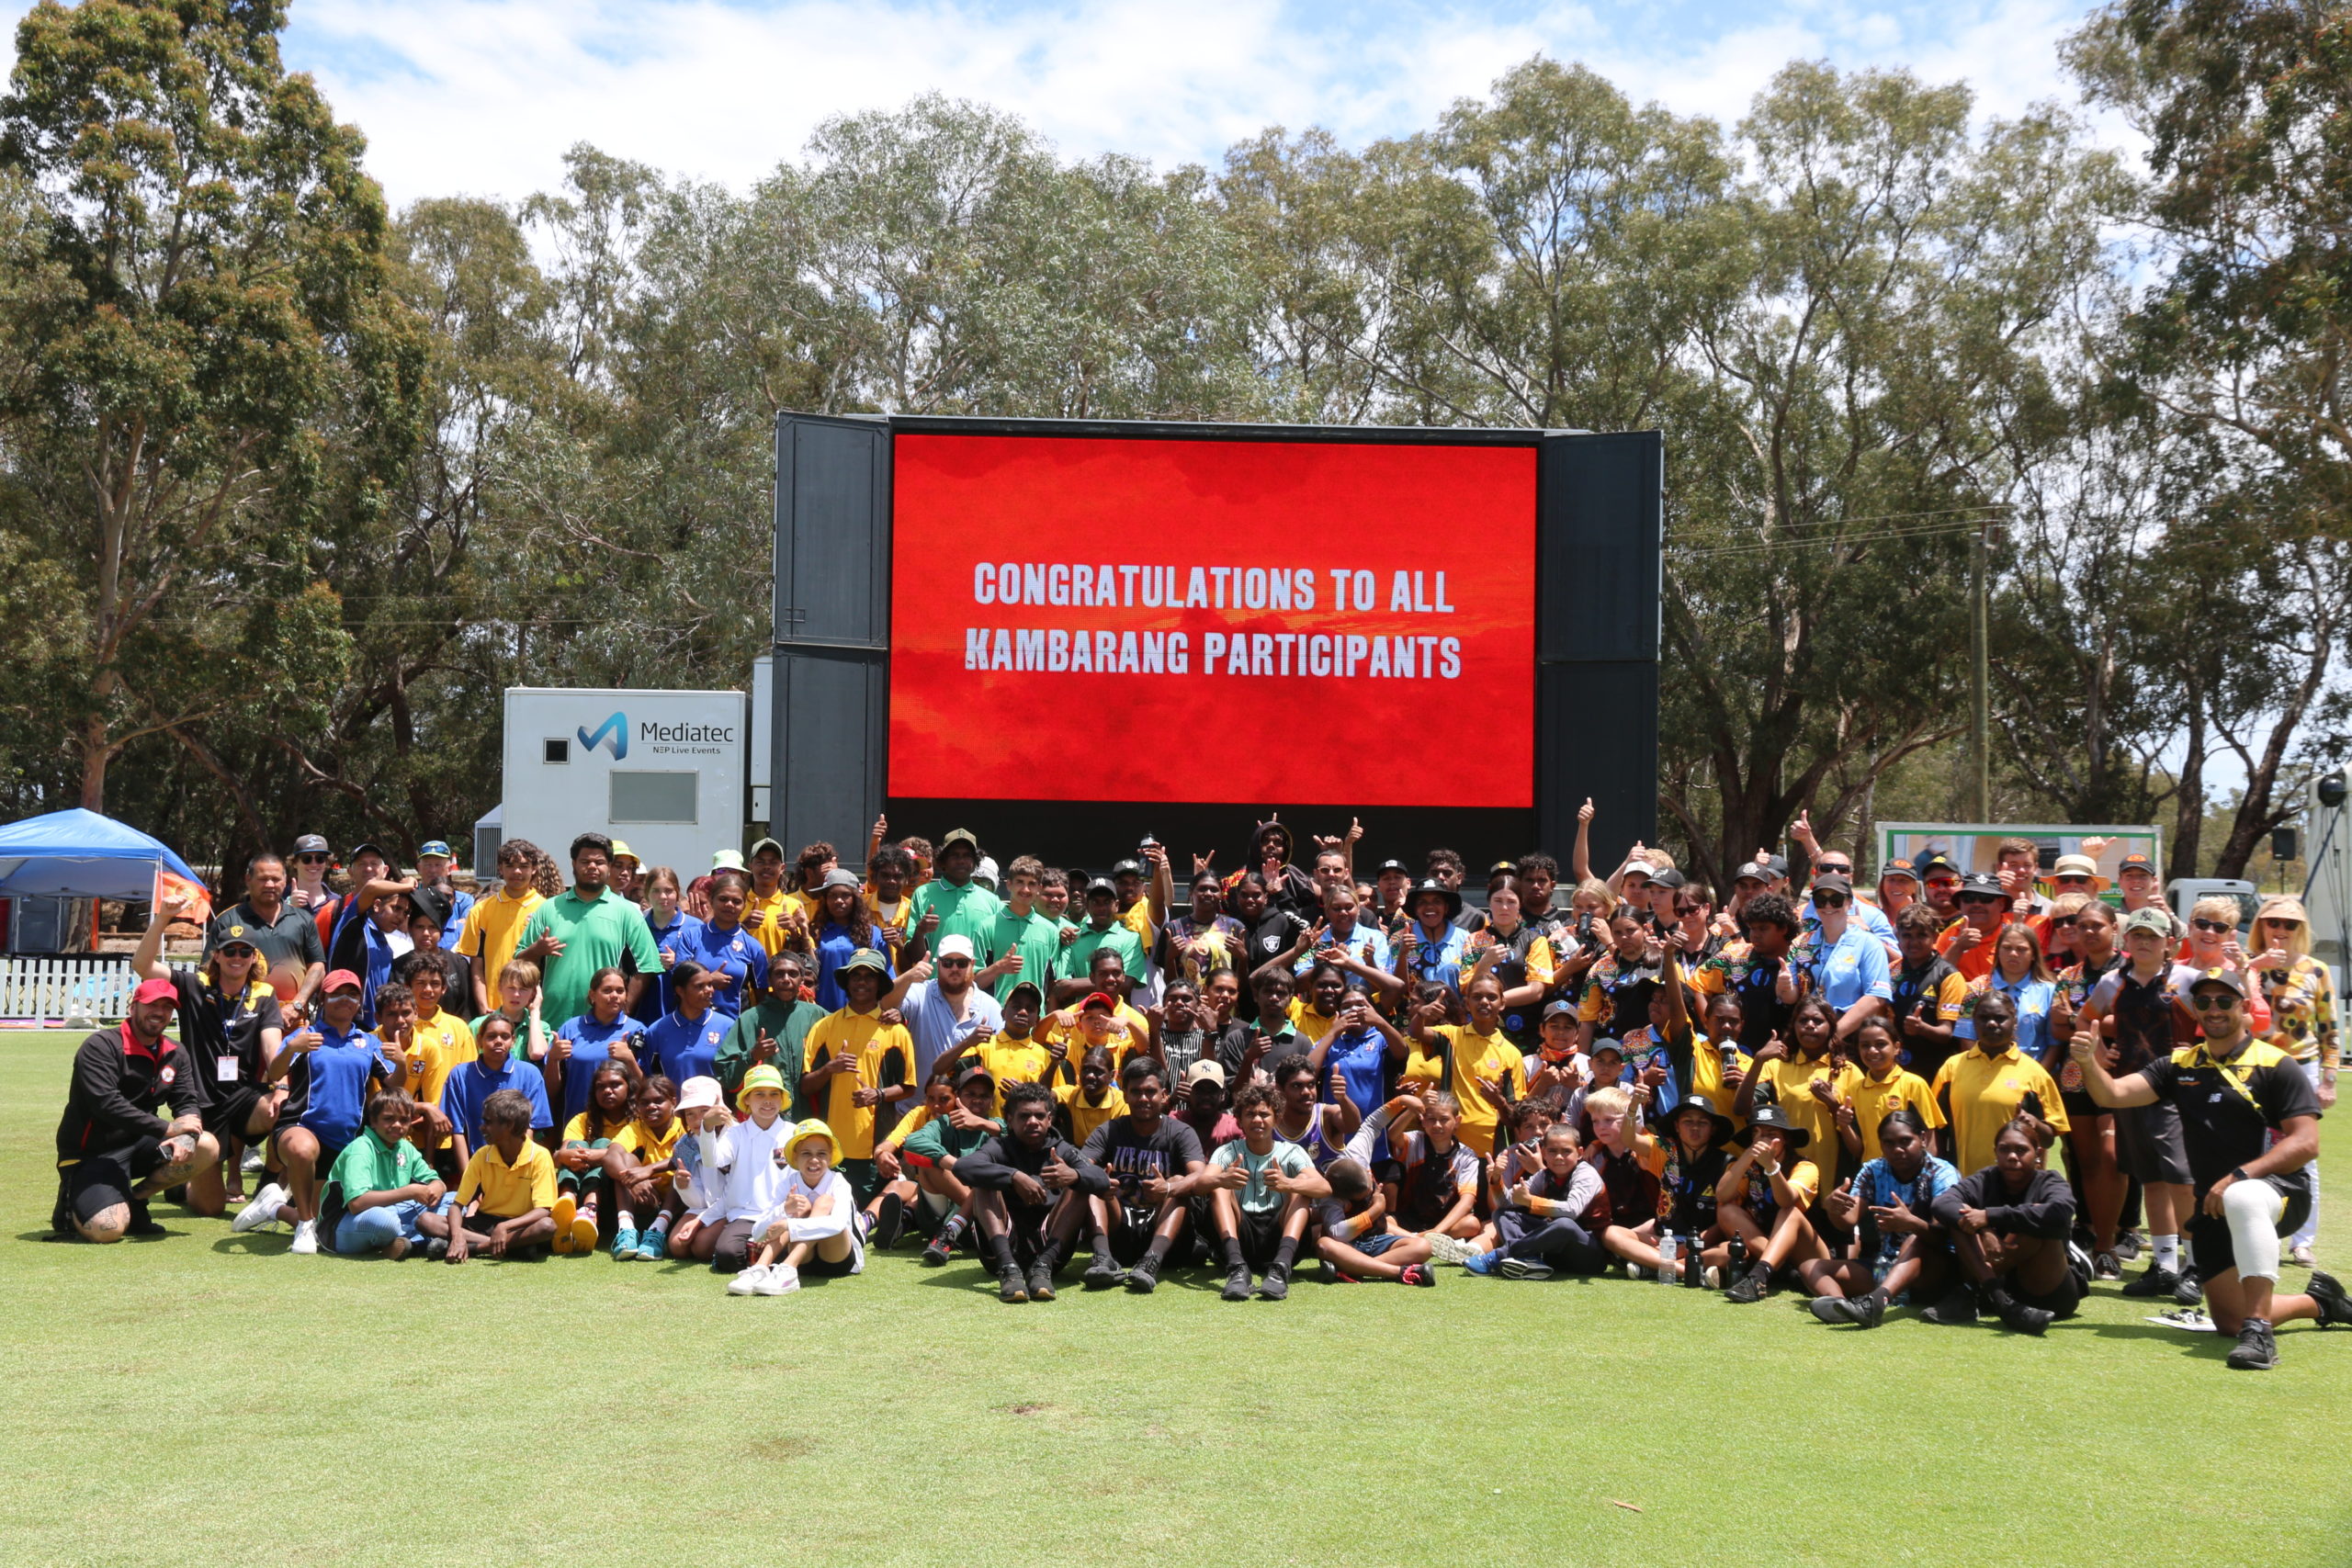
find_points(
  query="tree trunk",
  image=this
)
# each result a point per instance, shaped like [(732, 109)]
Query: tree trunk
[(95, 754), (2188, 797)]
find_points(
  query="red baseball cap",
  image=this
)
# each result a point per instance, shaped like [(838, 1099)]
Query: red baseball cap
[(158, 989), (337, 979), (1103, 998)]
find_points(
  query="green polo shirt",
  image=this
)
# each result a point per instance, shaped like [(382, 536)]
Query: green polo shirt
[(596, 933), (1038, 939), (368, 1165), (1078, 958), (787, 1024), (963, 911)]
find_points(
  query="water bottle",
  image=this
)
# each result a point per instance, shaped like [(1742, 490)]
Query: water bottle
[(1666, 1256), (1694, 1273), (1735, 1265)]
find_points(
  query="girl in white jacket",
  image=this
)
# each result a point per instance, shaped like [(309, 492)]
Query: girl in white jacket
[(742, 1166), (812, 1225)]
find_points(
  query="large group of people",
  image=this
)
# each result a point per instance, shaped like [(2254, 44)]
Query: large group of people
[(1975, 1094)]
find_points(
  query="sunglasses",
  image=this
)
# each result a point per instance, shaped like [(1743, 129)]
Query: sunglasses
[(955, 963), (1829, 900), (2060, 921), (313, 860), (2213, 925), (1982, 899), (2282, 922), (2208, 1001), (1831, 869)]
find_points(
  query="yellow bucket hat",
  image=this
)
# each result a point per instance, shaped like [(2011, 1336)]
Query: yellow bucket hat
[(760, 1076), (812, 1128)]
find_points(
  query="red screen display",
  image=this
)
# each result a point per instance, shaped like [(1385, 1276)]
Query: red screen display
[(1212, 621)]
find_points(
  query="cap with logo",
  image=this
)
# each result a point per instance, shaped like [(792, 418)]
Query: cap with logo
[(1895, 868), (1670, 879), (1982, 885), (1398, 866), (1127, 868), (972, 1076), (311, 844), (1938, 865), (955, 836), (1752, 870), (433, 848), (155, 989), (1204, 1072), (2150, 919), (1101, 885), (2136, 860), (2230, 977)]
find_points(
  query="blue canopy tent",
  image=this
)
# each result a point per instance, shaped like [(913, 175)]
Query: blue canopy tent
[(81, 854)]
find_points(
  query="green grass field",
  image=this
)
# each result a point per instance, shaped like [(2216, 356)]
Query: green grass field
[(204, 1398)]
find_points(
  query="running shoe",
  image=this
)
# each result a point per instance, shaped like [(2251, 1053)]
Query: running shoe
[(262, 1211), (2258, 1348), (746, 1283), (1523, 1269)]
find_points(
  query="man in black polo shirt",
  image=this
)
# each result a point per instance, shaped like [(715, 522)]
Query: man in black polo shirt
[(113, 1151), (287, 938), (2251, 1124)]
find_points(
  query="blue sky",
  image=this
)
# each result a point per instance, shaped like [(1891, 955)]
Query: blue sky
[(482, 96)]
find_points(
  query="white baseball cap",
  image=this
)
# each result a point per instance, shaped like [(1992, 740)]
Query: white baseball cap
[(954, 947)]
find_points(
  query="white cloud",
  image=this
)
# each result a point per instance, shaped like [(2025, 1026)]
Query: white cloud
[(482, 96)]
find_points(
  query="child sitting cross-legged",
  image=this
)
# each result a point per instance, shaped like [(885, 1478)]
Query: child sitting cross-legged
[(640, 1172), (509, 1186), (1537, 1226), (809, 1227), (387, 1186), (1355, 1236)]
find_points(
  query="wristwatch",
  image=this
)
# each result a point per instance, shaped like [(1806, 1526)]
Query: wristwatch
[(2237, 1173)]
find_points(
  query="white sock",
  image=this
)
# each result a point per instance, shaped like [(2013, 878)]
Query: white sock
[(2167, 1252), (624, 1220)]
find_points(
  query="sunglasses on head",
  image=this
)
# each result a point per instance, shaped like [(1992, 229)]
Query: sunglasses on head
[(2213, 925)]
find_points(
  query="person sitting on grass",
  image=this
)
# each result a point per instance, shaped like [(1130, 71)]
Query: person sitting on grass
[(742, 1166), (1623, 1216), (897, 1191), (1429, 1180), (1890, 1205), (1030, 1189), (506, 1198), (639, 1173), (1355, 1237), (1150, 1160), (2009, 1225), (1260, 1187), (701, 1109), (1536, 1228), (1763, 1199), (579, 1161), (933, 1151), (1093, 1100), (810, 1226), (496, 1065), (1696, 1151), (114, 1151), (388, 1189), (331, 1068)]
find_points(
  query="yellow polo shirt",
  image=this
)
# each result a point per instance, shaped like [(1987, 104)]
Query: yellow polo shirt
[(1874, 1098), (507, 1190), (864, 1036), (1983, 1093), (1791, 1078), (1475, 1056), (443, 1043), (492, 930)]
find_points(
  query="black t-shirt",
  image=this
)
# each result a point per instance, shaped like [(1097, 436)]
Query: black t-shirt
[(1273, 934), (1130, 1157), (2228, 1109), (216, 1028)]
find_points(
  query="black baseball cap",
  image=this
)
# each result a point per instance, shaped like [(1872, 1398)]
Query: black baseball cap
[(1982, 885)]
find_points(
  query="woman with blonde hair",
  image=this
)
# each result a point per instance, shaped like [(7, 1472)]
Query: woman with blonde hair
[(2301, 994)]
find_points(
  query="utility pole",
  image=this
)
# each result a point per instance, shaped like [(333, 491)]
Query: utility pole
[(1980, 708)]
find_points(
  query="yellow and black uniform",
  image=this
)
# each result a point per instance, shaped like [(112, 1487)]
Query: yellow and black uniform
[(1084, 1114), (2229, 1107), (650, 1148), (1791, 1078), (1011, 1061), (1937, 994), (1979, 1094), (1707, 1077), (438, 1046), (771, 929), (1875, 1098), (885, 1054), (1471, 1056), (505, 1189)]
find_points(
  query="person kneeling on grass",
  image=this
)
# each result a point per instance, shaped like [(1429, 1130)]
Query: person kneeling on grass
[(935, 1150), (743, 1167), (640, 1171), (113, 1151), (1889, 1204), (1355, 1236), (1151, 1161), (581, 1178), (1260, 1187), (1030, 1191), (1765, 1192), (810, 1228), (1536, 1223), (387, 1186), (506, 1197), (2009, 1225), (700, 1110)]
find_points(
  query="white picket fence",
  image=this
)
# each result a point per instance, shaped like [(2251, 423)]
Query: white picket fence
[(39, 992)]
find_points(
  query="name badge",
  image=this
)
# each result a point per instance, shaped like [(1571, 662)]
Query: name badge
[(225, 1070)]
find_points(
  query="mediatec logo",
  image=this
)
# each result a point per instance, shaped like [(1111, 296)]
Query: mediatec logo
[(615, 730)]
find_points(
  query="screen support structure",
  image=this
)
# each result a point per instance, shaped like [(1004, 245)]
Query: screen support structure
[(1598, 536)]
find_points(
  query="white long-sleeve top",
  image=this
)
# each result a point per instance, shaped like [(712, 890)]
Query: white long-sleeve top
[(742, 1174), (818, 1224)]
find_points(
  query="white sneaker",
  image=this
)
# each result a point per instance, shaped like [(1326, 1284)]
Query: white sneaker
[(252, 1163), (305, 1237), (749, 1281), (1450, 1249), (262, 1211), (778, 1281)]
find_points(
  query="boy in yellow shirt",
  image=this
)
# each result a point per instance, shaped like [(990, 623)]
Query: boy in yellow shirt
[(860, 1070), (494, 927), (438, 1042), (1487, 1070), (506, 1197)]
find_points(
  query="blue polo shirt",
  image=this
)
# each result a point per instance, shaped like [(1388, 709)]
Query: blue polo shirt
[(683, 1047), (1849, 969), (592, 1047), (655, 1000), (735, 954), (1362, 1057), (331, 1085), (834, 947), (471, 1083)]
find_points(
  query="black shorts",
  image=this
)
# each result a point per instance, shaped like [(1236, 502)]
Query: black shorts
[(2148, 1144), (825, 1270), (2216, 1254), (1130, 1230), (2058, 1303), (1260, 1234), (228, 1116), (92, 1185), (2080, 1105)]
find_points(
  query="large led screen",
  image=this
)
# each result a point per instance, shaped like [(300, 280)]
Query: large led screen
[(1086, 619)]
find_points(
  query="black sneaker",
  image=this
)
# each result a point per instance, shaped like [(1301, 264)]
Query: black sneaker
[(436, 1247), (1419, 1274), (1144, 1277), (1237, 1283), (1862, 1312), (2190, 1290), (1102, 1274), (2106, 1265), (2130, 1245), (937, 1251), (2020, 1318), (2256, 1350), (1275, 1285), (142, 1223), (1041, 1281), (2152, 1282), (889, 1225), (1955, 1310), (2335, 1305), (1750, 1287), (1011, 1286)]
